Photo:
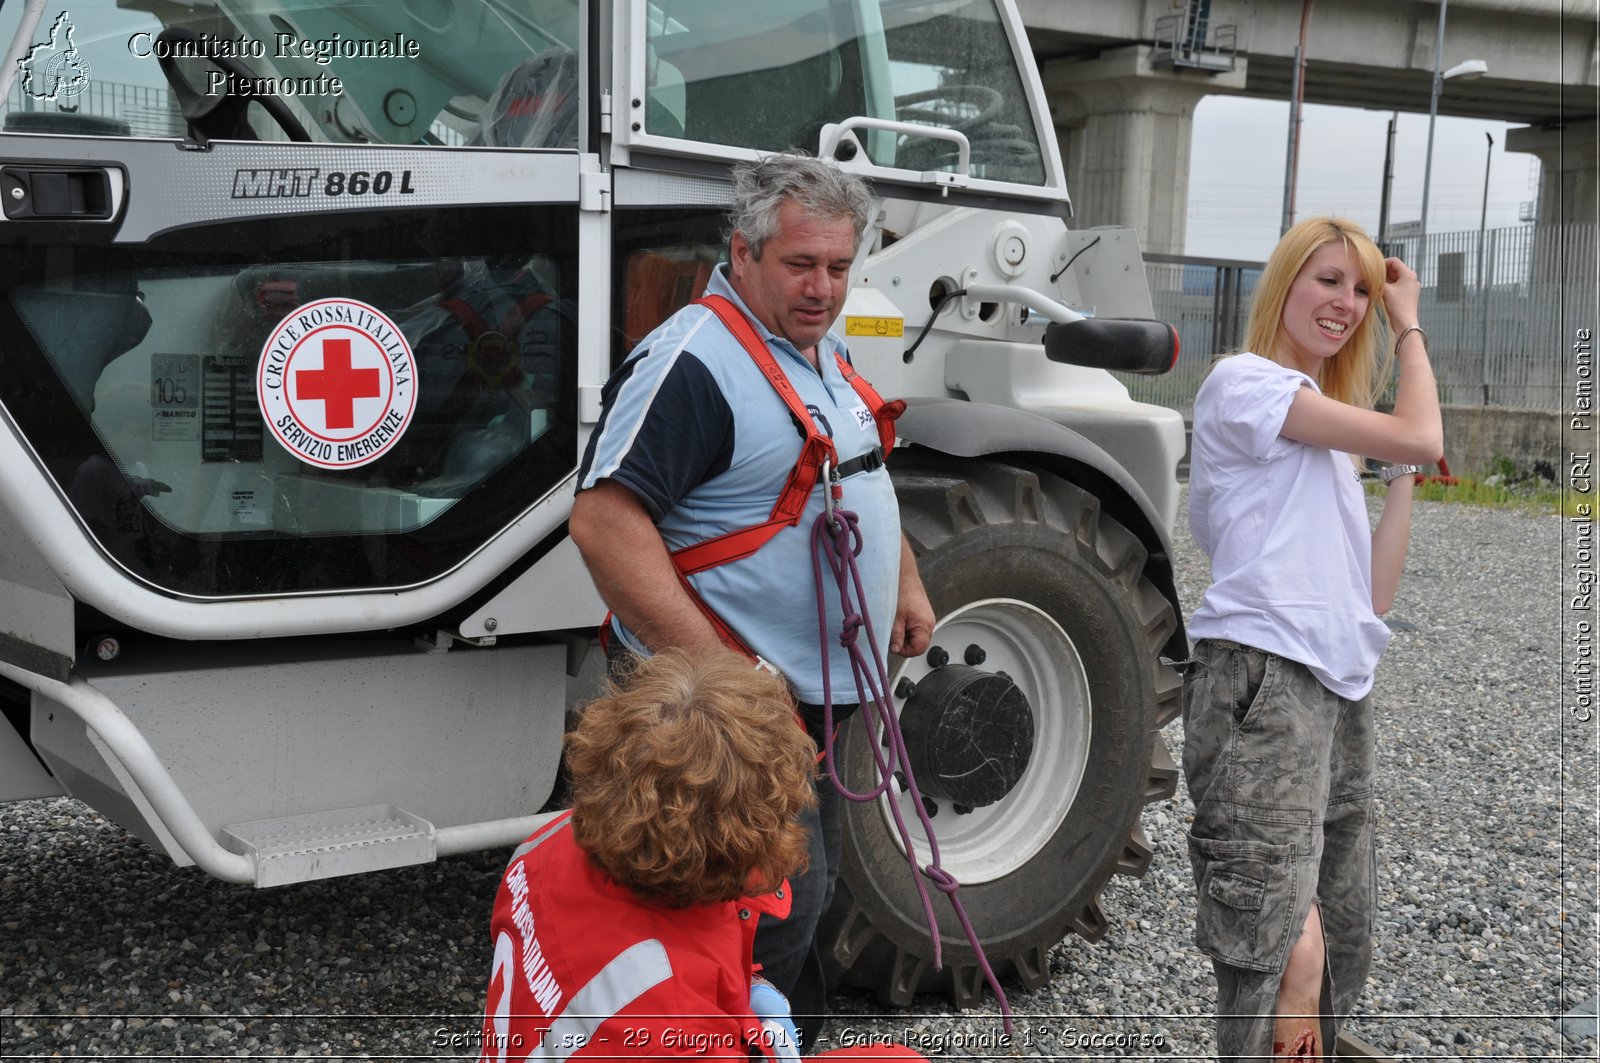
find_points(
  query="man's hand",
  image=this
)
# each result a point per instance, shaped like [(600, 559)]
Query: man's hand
[(913, 614)]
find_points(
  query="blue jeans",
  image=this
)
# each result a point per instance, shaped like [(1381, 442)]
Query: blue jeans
[(784, 947)]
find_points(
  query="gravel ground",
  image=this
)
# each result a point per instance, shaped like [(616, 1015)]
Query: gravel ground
[(1486, 930)]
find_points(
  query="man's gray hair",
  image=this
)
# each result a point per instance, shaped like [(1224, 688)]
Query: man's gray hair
[(819, 188)]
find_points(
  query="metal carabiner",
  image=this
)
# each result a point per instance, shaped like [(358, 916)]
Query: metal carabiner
[(832, 493)]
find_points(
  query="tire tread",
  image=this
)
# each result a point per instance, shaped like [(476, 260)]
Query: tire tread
[(940, 503)]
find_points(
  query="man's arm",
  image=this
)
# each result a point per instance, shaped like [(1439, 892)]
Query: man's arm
[(632, 571), (913, 614)]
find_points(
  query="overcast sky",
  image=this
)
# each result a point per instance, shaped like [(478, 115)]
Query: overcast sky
[(1237, 161)]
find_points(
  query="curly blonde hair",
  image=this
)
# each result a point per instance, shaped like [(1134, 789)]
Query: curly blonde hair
[(689, 777), (1359, 372)]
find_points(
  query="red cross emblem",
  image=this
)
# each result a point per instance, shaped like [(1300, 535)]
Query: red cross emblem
[(337, 383)]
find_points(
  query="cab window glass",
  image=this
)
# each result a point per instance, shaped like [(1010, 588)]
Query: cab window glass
[(769, 74), (474, 72), (222, 417), (662, 260)]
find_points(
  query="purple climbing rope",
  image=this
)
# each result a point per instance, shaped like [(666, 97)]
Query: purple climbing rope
[(836, 539)]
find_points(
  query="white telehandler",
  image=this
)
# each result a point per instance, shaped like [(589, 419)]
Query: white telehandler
[(305, 308)]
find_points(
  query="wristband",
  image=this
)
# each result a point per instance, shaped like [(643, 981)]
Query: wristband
[(1408, 330)]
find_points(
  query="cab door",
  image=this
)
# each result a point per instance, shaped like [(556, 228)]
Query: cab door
[(290, 301)]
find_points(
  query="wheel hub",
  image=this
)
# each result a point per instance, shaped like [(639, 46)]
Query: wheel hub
[(969, 734), (998, 819)]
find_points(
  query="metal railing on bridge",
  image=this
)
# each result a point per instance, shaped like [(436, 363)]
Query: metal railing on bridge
[(1500, 315), (1189, 39)]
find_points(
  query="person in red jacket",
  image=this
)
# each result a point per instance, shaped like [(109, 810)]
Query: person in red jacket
[(623, 928)]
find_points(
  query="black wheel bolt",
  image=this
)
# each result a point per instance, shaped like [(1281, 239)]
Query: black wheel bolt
[(905, 689), (975, 655), (930, 807), (938, 657), (962, 810)]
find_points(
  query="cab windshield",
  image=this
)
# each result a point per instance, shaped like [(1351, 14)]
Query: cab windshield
[(770, 74)]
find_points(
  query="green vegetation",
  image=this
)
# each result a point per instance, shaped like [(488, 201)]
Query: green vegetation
[(1503, 486)]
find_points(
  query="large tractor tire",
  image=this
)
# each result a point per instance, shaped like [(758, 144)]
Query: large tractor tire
[(1033, 727)]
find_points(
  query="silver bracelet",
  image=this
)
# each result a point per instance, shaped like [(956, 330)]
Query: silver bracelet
[(1408, 330)]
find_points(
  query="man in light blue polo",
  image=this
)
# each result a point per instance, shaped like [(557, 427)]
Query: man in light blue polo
[(694, 442)]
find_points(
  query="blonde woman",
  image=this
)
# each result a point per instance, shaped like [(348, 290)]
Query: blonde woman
[(1278, 750)]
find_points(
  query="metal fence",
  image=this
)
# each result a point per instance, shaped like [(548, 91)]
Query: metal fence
[(1500, 315), (128, 110), (1208, 301), (108, 108)]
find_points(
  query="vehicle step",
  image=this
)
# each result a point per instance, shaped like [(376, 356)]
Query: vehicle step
[(345, 841)]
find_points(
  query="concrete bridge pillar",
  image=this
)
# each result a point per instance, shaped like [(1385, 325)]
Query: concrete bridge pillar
[(1569, 169), (1569, 176), (1124, 127)]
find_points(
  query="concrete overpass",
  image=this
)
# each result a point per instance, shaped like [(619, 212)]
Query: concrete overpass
[(1124, 109)]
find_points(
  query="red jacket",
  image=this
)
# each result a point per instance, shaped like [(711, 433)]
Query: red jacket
[(584, 967)]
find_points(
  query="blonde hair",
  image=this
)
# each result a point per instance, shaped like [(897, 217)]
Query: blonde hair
[(689, 779), (1359, 372)]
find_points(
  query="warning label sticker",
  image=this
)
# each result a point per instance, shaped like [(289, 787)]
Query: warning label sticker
[(337, 383), (230, 414), (874, 326), (175, 396)]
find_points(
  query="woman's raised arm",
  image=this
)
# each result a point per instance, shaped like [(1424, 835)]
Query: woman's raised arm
[(1414, 432)]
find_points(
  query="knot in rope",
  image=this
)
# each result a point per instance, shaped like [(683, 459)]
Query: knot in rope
[(836, 539), (845, 529), (942, 880), (849, 628)]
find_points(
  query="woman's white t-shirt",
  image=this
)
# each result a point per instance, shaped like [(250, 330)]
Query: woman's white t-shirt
[(1286, 527)]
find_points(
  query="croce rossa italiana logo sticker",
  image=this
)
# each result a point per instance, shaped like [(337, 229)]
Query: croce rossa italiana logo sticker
[(337, 383)]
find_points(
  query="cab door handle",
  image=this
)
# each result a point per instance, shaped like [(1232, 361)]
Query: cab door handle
[(52, 193)]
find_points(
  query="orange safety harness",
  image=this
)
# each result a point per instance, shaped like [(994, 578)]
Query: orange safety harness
[(816, 453)]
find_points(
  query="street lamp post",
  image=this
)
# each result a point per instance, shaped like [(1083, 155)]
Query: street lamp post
[(1472, 68), (1291, 167), (1483, 287), (1433, 113), (1388, 185)]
